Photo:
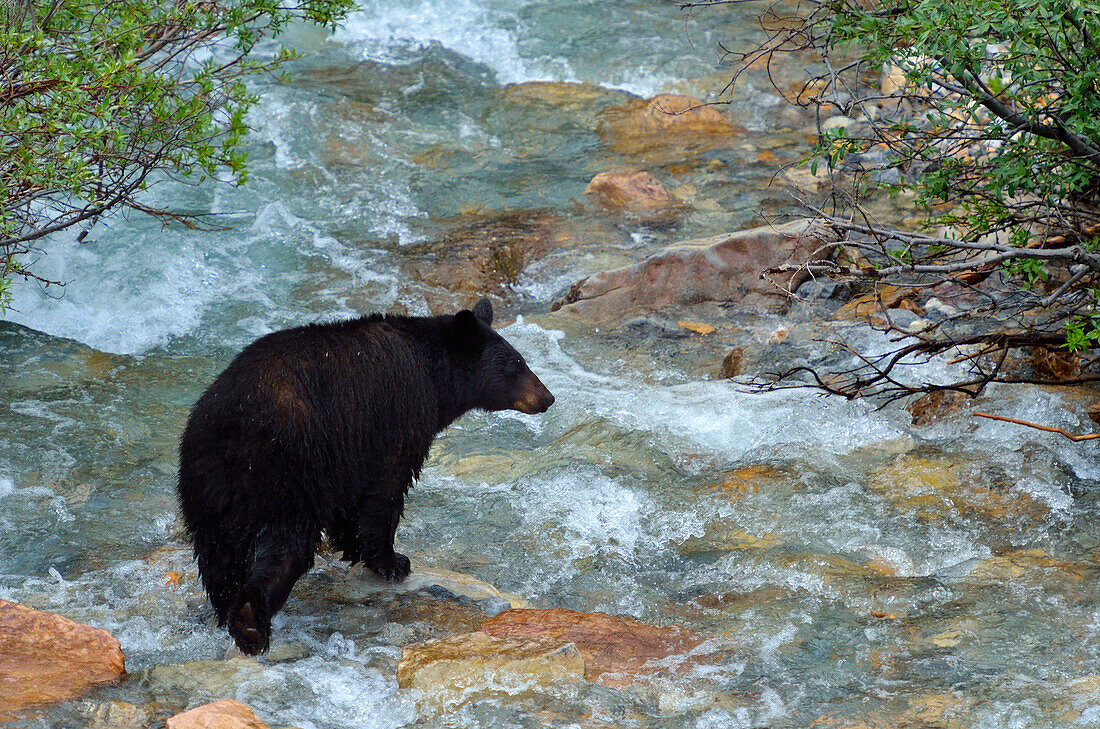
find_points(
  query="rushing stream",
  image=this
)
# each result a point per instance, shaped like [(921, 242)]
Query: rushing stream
[(847, 568)]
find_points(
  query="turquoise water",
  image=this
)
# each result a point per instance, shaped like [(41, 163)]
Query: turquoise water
[(848, 568)]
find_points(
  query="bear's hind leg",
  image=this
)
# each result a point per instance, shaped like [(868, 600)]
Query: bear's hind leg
[(343, 537), (271, 578)]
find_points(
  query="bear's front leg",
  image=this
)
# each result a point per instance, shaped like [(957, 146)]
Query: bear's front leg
[(377, 526)]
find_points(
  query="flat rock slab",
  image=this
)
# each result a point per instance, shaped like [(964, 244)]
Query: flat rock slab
[(227, 714), (450, 670), (723, 268), (615, 648), (363, 583), (45, 658)]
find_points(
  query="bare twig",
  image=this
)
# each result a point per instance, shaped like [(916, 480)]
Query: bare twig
[(1047, 428)]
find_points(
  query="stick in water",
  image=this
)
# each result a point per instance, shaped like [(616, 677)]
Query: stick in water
[(1074, 438)]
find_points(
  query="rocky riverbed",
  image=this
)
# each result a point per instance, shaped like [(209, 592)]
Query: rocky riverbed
[(660, 549)]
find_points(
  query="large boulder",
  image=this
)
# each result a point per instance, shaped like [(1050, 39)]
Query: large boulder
[(723, 268), (45, 658), (615, 648)]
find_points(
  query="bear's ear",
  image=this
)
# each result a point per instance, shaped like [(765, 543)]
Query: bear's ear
[(467, 326), (484, 310)]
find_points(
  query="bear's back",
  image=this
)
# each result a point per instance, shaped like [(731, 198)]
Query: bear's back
[(321, 403)]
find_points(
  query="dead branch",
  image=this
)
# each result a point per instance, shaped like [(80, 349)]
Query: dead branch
[(1047, 428)]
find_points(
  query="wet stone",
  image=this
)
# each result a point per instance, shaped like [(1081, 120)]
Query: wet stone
[(117, 715), (430, 603), (872, 306), (615, 648), (723, 268), (484, 251), (205, 677), (46, 658), (1050, 365), (449, 671), (361, 583), (936, 405), (666, 128), (638, 194), (227, 714)]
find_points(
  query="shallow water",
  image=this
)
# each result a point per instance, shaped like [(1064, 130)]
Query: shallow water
[(847, 568)]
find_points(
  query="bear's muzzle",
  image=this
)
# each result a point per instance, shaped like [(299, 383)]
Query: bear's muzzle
[(535, 398)]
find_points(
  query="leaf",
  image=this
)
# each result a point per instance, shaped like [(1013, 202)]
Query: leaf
[(697, 326)]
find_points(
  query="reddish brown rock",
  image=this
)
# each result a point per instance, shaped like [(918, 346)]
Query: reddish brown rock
[(937, 404), (45, 658), (227, 714), (638, 194), (614, 648), (1093, 412), (1055, 365), (723, 268), (734, 362)]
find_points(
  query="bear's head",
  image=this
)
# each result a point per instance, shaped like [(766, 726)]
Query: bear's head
[(498, 378)]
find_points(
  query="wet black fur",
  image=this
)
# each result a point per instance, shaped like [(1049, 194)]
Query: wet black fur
[(324, 428)]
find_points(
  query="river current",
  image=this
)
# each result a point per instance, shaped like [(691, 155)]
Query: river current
[(847, 568)]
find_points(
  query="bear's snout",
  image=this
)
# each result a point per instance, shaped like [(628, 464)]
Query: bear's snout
[(535, 398)]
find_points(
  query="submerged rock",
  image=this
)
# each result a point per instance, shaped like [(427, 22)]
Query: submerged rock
[(227, 714), (46, 657), (118, 715), (448, 671), (723, 268), (936, 488), (363, 583), (615, 648), (635, 194), (666, 127), (1030, 565), (484, 251)]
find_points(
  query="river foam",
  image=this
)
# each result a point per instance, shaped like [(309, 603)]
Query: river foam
[(510, 39)]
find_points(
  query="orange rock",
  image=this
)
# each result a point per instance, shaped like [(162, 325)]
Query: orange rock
[(45, 658), (614, 648), (227, 714), (698, 327), (669, 122), (637, 193)]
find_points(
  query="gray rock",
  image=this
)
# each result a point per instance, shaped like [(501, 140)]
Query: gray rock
[(493, 606)]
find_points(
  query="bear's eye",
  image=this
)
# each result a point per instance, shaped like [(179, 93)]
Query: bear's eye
[(512, 367)]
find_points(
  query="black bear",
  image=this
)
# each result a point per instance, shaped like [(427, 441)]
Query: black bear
[(323, 428)]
